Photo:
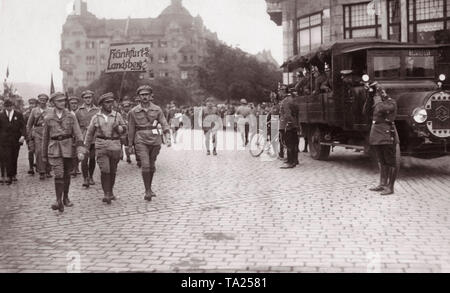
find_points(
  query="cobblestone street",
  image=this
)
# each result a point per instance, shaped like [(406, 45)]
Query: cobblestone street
[(234, 213)]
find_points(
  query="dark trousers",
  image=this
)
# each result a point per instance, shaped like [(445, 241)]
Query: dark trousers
[(88, 164), (292, 141), (282, 143), (9, 155), (386, 154)]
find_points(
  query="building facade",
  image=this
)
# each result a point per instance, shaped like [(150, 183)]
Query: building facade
[(307, 24), (177, 41)]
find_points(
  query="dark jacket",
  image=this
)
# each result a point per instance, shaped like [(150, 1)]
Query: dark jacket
[(10, 132), (289, 113), (383, 131)]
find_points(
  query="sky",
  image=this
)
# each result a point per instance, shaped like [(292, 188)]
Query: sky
[(30, 30)]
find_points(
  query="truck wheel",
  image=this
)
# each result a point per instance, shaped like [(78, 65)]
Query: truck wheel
[(318, 151)]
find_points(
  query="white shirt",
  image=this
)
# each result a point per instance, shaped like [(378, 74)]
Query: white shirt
[(10, 115)]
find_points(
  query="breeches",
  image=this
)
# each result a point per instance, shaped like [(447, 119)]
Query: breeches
[(61, 167), (147, 155), (386, 154), (108, 160)]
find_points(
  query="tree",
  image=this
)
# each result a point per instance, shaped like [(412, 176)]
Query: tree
[(231, 74)]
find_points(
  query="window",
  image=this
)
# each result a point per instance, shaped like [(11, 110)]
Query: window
[(90, 75), (90, 60), (419, 66), (394, 20), (162, 44), (163, 74), (386, 66), (184, 75), (102, 45), (90, 45), (309, 32), (425, 17), (358, 23)]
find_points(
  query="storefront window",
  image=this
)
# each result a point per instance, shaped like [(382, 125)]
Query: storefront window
[(309, 32), (358, 23), (425, 17)]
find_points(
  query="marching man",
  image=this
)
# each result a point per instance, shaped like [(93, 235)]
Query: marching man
[(145, 137), (106, 127), (60, 130)]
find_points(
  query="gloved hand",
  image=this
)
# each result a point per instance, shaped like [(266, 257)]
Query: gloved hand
[(80, 157), (168, 141), (21, 140)]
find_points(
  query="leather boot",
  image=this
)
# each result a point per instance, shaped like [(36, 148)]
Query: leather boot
[(383, 179), (389, 189), (59, 190), (152, 194), (106, 186), (86, 182), (146, 178), (66, 200), (113, 182), (91, 181)]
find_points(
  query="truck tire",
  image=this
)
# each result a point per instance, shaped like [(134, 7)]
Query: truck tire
[(318, 151)]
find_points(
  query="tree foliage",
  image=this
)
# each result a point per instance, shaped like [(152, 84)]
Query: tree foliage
[(231, 74)]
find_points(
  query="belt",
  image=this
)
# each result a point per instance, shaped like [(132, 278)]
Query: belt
[(61, 137), (108, 138), (140, 128)]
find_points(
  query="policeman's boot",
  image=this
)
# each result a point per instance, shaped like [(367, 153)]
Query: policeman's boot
[(66, 200), (384, 170), (146, 179), (59, 190), (113, 182), (106, 186), (389, 189)]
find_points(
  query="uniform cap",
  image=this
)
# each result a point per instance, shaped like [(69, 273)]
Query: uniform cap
[(244, 101), (43, 96), (72, 98), (126, 103), (57, 96), (32, 100), (105, 97), (145, 89), (346, 72), (87, 93)]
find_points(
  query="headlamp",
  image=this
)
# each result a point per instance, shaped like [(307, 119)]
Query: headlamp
[(420, 115)]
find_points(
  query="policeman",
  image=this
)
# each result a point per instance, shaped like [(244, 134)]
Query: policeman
[(126, 107), (210, 117), (289, 114), (74, 104), (383, 137), (35, 127), (84, 115), (244, 111), (60, 131), (145, 137), (30, 142), (105, 128)]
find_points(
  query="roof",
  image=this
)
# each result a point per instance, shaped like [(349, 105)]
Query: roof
[(348, 46)]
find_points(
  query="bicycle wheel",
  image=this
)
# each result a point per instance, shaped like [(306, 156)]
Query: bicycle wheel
[(257, 144)]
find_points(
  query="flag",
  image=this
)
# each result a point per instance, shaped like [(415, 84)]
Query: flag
[(52, 86), (374, 8), (7, 72)]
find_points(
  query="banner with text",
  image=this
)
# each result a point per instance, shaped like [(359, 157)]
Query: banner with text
[(128, 57)]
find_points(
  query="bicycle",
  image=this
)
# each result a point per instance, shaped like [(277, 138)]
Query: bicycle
[(260, 142)]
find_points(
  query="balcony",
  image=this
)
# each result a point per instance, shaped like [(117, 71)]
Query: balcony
[(275, 10)]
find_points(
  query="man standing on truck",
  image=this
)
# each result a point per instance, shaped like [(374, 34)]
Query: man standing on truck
[(383, 137)]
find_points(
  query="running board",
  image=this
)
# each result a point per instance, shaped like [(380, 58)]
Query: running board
[(347, 146)]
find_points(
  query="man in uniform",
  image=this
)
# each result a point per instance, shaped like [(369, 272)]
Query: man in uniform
[(74, 104), (30, 142), (126, 107), (289, 114), (60, 130), (84, 115), (210, 116), (244, 126), (383, 137), (302, 86), (321, 83), (144, 136), (35, 128), (106, 128)]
